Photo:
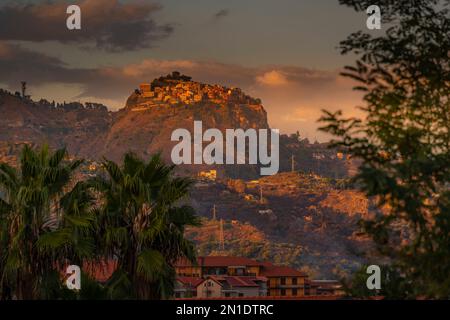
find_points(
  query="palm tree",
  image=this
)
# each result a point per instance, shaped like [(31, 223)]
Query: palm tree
[(45, 222), (141, 226)]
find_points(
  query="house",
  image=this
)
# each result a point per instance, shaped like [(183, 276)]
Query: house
[(210, 175), (145, 87), (146, 90), (209, 288), (186, 287), (218, 265), (232, 286), (280, 281), (284, 281)]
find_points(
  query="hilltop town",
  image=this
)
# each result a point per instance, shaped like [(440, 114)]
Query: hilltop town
[(145, 124), (178, 89)]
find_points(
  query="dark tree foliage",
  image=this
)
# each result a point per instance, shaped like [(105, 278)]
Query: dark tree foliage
[(45, 223), (404, 141), (393, 285), (141, 225), (131, 215)]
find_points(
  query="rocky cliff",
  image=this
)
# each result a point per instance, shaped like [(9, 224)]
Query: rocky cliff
[(145, 125), (153, 112)]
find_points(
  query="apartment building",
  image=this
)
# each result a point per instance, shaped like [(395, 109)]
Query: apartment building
[(253, 278)]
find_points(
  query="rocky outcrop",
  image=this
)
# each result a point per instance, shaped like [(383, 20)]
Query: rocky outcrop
[(146, 123), (153, 112)]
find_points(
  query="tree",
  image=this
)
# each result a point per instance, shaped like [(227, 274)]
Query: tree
[(141, 226), (393, 286), (404, 142), (45, 223)]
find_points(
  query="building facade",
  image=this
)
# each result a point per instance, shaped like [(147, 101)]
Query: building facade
[(237, 276)]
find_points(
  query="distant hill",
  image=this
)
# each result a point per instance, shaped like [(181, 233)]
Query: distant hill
[(302, 220), (307, 218), (145, 124), (73, 125)]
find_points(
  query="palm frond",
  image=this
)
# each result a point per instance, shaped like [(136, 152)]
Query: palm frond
[(183, 216), (150, 264), (57, 157)]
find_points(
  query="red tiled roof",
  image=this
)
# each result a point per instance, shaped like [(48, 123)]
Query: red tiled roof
[(236, 281), (211, 278), (268, 269), (241, 282), (267, 264), (275, 271), (191, 281), (220, 261)]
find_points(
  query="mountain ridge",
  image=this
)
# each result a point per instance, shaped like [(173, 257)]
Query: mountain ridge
[(145, 124)]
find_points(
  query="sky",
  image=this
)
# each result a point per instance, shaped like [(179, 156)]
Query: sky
[(282, 51)]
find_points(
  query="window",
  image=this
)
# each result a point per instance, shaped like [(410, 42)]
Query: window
[(294, 281), (227, 294), (241, 294), (283, 292), (294, 292), (283, 281)]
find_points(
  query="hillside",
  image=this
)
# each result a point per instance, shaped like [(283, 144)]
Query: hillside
[(70, 124), (307, 218), (147, 121), (146, 124), (314, 222)]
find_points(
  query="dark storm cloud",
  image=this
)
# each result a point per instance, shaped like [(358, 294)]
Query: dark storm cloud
[(17, 63), (20, 64), (293, 96), (221, 13), (105, 24)]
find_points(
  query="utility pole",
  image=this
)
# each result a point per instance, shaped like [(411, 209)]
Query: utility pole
[(24, 88), (221, 237), (292, 163), (214, 213), (260, 193)]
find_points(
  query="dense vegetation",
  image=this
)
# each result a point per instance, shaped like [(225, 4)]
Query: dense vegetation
[(128, 216), (404, 141)]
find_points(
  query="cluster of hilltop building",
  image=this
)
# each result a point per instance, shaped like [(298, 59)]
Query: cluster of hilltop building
[(177, 89)]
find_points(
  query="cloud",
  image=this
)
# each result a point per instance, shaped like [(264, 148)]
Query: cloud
[(105, 24), (222, 13), (293, 96), (17, 63), (272, 78)]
